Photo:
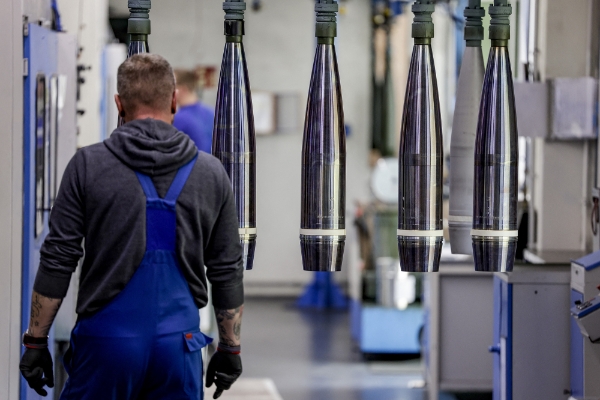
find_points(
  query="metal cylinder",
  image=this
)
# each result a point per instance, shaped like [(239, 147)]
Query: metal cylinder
[(420, 229), (495, 187), (323, 228), (462, 145), (137, 47), (138, 28), (234, 142)]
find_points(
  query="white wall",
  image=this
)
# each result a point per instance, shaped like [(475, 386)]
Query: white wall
[(11, 168), (93, 36), (565, 37), (36, 10), (279, 45)]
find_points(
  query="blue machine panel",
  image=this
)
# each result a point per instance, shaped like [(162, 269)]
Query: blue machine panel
[(381, 330), (392, 331), (40, 48), (495, 348), (576, 352), (502, 347), (590, 261)]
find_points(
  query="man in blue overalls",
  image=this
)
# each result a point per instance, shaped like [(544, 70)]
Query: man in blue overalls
[(153, 212)]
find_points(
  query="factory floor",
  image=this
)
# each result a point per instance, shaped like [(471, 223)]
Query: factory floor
[(309, 355)]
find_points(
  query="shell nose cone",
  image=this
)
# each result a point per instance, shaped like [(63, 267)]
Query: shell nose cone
[(462, 147), (322, 218), (492, 254), (248, 247), (496, 156), (420, 172), (420, 254), (322, 253), (234, 142)]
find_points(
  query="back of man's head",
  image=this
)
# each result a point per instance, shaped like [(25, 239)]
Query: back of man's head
[(146, 81)]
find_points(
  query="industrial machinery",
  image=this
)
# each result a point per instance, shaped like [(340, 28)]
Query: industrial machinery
[(323, 226), (496, 155), (531, 355), (587, 319), (457, 335), (464, 129), (585, 350), (385, 306), (49, 143), (234, 141), (420, 234)]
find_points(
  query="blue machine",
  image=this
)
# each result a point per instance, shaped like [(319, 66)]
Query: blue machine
[(503, 332), (381, 330), (585, 355), (531, 332), (46, 90)]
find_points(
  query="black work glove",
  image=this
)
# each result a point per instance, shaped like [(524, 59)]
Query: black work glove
[(37, 368), (223, 369)]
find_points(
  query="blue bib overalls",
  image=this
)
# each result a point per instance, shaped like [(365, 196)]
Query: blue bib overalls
[(145, 344)]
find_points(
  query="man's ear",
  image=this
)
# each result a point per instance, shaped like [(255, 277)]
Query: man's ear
[(174, 102), (119, 106)]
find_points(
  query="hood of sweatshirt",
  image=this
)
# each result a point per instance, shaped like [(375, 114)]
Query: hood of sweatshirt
[(151, 147)]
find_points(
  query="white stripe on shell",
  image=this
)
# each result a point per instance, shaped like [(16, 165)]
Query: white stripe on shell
[(494, 233), (323, 232), (417, 233)]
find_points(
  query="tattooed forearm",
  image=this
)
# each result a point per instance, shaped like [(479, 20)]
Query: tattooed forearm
[(43, 312), (230, 325)]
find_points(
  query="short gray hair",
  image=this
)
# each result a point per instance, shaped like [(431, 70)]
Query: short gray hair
[(146, 80)]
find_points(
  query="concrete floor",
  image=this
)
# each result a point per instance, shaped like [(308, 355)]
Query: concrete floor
[(309, 354)]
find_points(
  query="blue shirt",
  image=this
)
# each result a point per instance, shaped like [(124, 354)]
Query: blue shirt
[(196, 120)]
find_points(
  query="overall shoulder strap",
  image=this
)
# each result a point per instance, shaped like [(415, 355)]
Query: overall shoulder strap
[(147, 186), (180, 180)]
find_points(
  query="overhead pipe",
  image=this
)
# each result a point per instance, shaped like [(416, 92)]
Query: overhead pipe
[(464, 130), (420, 229), (234, 141), (322, 227), (495, 187)]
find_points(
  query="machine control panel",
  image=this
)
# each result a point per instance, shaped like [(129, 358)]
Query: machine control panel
[(585, 305), (588, 319), (583, 309)]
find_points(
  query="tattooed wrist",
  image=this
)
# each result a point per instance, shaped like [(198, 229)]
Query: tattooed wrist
[(229, 323), (43, 312)]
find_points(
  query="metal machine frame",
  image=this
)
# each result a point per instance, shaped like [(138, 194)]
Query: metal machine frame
[(49, 114), (531, 330), (455, 341)]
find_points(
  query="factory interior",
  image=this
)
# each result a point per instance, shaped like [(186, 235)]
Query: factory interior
[(417, 184)]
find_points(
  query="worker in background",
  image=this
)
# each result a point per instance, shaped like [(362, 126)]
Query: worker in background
[(151, 211), (193, 118)]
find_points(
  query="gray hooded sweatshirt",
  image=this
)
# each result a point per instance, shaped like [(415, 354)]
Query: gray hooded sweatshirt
[(101, 200)]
